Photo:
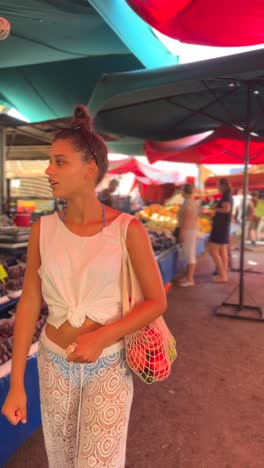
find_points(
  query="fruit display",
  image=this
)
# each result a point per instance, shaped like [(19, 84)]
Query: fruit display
[(159, 218), (3, 294), (6, 339), (161, 241), (7, 260), (12, 285), (11, 288), (204, 224), (16, 271), (7, 331), (205, 219), (23, 257)]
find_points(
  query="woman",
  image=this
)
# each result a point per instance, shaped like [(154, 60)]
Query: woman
[(74, 261), (188, 217), (254, 220), (219, 237)]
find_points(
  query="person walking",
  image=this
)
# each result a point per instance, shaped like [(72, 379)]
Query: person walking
[(254, 220), (106, 195), (188, 230), (219, 237), (74, 261)]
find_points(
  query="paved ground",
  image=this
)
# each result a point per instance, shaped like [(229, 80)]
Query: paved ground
[(210, 412)]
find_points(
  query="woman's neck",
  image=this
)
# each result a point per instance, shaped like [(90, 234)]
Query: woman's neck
[(79, 211)]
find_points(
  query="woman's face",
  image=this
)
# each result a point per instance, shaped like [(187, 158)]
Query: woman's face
[(68, 174)]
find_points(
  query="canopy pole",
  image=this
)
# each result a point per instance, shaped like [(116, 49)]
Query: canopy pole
[(241, 310), (242, 243), (2, 169)]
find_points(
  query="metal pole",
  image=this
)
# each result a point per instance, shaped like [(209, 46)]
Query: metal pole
[(2, 169), (242, 247), (245, 193)]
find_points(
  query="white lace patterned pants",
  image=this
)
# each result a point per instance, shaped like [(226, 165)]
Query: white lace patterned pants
[(85, 408)]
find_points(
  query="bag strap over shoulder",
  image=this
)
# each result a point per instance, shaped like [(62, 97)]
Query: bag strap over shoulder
[(131, 293)]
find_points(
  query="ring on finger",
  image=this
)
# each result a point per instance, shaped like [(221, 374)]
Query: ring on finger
[(71, 348)]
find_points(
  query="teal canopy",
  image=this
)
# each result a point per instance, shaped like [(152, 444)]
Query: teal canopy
[(50, 90), (172, 102), (55, 53)]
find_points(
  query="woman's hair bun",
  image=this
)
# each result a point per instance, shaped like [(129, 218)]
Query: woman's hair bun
[(82, 118)]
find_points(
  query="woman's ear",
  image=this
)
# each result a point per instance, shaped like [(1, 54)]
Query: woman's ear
[(91, 169)]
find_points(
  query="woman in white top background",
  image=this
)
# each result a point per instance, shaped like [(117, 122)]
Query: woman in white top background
[(188, 217), (74, 262)]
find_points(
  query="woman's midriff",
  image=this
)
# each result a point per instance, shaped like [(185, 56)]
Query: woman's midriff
[(66, 334)]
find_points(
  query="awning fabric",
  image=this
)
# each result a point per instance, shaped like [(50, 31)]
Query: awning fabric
[(205, 22), (51, 90), (173, 102), (176, 102), (224, 146), (147, 174), (55, 52)]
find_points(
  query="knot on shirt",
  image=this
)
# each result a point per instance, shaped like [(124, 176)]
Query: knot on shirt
[(75, 316)]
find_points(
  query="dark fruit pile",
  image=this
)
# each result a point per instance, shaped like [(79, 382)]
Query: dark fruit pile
[(14, 284), (3, 290), (6, 339), (23, 257), (41, 322), (16, 271), (7, 331), (160, 241), (7, 260)]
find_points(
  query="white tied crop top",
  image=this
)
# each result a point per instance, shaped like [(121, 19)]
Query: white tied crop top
[(81, 275)]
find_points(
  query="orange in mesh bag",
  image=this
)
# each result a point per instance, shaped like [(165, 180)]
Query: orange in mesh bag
[(150, 351)]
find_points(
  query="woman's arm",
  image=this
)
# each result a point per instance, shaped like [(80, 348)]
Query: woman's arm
[(225, 208), (15, 405), (27, 311), (150, 281)]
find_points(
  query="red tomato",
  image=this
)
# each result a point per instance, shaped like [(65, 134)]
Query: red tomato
[(137, 358), (159, 366), (153, 339)]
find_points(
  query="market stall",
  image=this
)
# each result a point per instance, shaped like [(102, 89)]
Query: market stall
[(13, 437)]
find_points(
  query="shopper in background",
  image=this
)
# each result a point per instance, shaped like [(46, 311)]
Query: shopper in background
[(238, 201), (74, 261), (220, 234), (188, 230), (105, 196), (254, 219)]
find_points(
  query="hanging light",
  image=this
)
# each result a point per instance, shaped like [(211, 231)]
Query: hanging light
[(4, 28)]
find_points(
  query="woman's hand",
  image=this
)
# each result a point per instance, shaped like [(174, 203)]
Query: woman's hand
[(88, 347), (15, 406)]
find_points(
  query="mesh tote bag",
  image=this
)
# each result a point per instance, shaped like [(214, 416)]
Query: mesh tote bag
[(150, 351)]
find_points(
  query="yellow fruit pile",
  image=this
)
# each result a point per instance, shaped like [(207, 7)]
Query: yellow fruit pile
[(204, 224), (159, 218)]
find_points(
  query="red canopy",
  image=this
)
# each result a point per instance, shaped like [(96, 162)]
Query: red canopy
[(147, 174), (224, 146), (124, 168), (205, 22)]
